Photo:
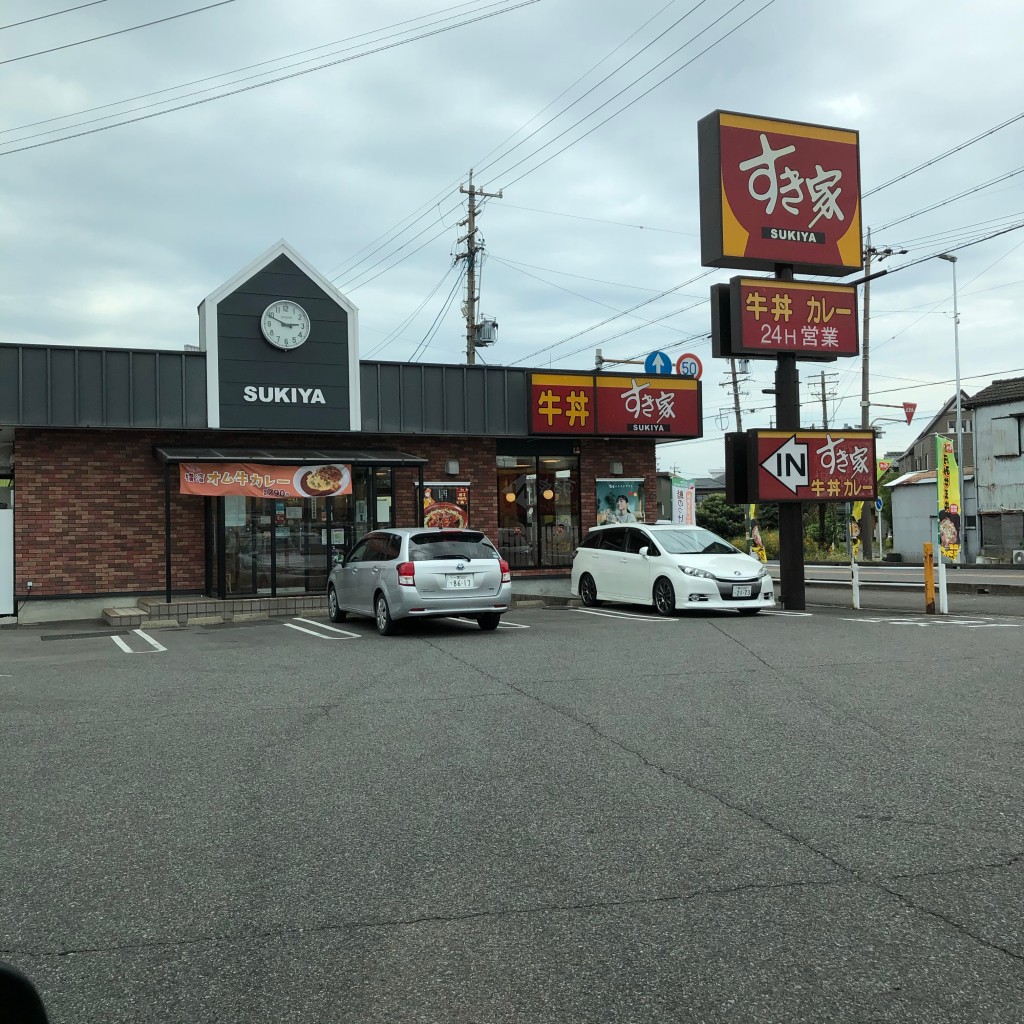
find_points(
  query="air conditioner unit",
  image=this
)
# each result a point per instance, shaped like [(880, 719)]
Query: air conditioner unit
[(1018, 558)]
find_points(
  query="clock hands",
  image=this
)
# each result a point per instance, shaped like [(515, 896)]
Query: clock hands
[(283, 323)]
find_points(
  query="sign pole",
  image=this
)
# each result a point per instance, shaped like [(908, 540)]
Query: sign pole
[(791, 519)]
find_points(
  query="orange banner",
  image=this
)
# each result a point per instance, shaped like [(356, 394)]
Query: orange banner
[(217, 479)]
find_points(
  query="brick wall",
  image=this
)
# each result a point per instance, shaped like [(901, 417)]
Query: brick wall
[(89, 505)]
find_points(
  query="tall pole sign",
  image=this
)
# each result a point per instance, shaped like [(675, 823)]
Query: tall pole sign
[(781, 197)]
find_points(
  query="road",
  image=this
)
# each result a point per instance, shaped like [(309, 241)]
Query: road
[(586, 816)]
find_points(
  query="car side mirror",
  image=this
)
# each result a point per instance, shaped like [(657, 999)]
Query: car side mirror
[(338, 558), (645, 551)]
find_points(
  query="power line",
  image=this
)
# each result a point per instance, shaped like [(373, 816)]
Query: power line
[(43, 17), (237, 71), (442, 312), (274, 81), (601, 220), (637, 99), (942, 156), (119, 32)]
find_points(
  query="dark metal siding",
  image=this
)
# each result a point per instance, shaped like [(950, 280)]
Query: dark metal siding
[(407, 398), (246, 358), (47, 387), (79, 387)]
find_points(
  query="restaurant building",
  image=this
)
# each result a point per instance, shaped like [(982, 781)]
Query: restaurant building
[(242, 467)]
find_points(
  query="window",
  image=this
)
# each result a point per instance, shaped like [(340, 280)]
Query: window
[(466, 544), (613, 540), (637, 539)]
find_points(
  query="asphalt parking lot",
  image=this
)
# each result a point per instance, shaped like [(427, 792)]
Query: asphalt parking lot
[(587, 815)]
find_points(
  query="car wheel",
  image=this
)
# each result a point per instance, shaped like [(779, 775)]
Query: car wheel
[(382, 613), (664, 597), (489, 620), (748, 611), (333, 611), (588, 591)]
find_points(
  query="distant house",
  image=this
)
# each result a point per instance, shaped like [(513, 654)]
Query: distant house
[(998, 412), (915, 515), (920, 456), (702, 486)]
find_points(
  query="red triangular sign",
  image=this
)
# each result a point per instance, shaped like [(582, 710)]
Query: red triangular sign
[(909, 408)]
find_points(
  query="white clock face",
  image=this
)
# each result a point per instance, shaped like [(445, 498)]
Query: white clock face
[(285, 324)]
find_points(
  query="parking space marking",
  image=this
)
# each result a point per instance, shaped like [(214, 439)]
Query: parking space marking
[(501, 625), (938, 620), (344, 633), (624, 615), (795, 615), (157, 647)]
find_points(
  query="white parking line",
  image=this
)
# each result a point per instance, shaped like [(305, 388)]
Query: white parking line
[(345, 634), (938, 620), (501, 625), (795, 615), (157, 647), (624, 615)]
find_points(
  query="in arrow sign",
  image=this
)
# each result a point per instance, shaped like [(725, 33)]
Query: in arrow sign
[(789, 465)]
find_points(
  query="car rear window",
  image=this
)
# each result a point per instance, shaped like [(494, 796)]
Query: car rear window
[(450, 544)]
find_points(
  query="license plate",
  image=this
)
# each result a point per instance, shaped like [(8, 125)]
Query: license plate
[(741, 591), (462, 582)]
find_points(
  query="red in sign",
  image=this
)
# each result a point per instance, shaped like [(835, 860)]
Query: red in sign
[(813, 465), (812, 321), (909, 408), (562, 403), (689, 365)]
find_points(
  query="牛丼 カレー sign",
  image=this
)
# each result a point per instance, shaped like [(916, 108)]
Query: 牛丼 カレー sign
[(811, 465), (609, 404), (255, 480), (767, 317), (778, 192)]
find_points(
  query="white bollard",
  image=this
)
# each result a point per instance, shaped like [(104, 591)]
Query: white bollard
[(943, 593), (855, 576)]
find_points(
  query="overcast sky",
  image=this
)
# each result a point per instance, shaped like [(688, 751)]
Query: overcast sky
[(114, 237)]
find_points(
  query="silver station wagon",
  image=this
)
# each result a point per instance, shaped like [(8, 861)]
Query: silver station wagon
[(405, 573)]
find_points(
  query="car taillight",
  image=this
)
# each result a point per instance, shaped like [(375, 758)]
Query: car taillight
[(406, 574), (506, 574)]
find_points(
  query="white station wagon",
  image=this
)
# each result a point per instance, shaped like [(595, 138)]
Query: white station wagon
[(672, 567)]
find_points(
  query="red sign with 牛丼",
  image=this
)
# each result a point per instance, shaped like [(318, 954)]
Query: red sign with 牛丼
[(779, 192), (811, 465), (811, 321), (614, 405)]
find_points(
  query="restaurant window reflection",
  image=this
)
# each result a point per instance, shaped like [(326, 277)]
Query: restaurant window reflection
[(538, 510)]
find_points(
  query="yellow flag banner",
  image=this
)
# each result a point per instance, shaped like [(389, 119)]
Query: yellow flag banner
[(756, 543), (855, 514), (950, 517)]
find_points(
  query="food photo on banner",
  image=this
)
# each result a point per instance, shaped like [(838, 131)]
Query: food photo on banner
[(619, 500), (446, 505)]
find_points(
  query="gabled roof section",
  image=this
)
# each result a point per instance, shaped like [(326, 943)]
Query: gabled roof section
[(1000, 392), (281, 248), (933, 423)]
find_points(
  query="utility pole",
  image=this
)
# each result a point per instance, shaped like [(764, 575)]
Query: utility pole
[(470, 256), (865, 386), (826, 382), (738, 376)]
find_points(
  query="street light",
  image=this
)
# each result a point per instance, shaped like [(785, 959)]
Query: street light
[(962, 468)]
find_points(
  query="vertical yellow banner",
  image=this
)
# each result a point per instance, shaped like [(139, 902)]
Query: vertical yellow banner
[(756, 543), (950, 517)]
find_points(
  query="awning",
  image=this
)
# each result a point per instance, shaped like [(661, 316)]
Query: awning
[(291, 456)]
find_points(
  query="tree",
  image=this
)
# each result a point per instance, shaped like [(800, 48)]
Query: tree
[(714, 513)]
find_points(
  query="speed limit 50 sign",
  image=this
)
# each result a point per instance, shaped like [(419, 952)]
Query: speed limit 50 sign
[(688, 365)]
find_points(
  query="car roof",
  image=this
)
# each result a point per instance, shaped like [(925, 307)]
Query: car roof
[(647, 526), (405, 531)]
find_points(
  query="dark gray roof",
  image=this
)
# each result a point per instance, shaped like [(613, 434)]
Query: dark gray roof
[(289, 456), (998, 392)]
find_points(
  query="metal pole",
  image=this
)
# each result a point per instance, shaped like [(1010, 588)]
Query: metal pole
[(961, 461)]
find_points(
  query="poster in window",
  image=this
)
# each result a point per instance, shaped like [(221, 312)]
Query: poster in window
[(620, 500), (446, 505)]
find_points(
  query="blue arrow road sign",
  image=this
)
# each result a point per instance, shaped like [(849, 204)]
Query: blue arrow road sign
[(658, 362), (878, 504)]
